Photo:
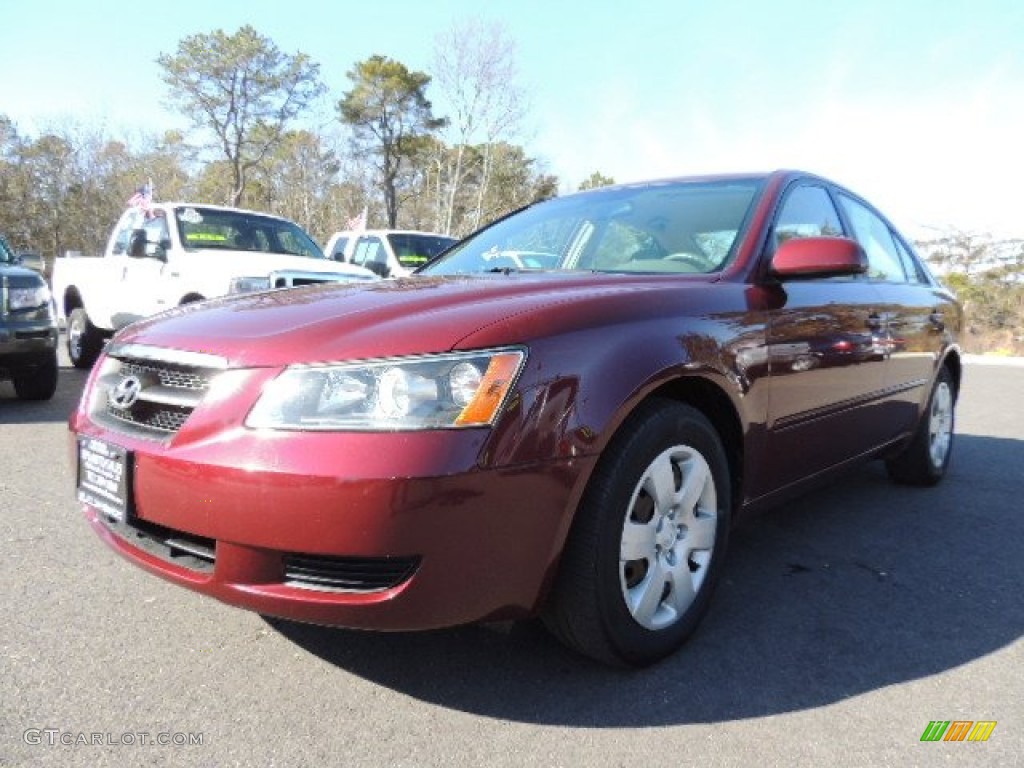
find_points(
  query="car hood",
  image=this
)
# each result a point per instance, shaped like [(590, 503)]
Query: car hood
[(407, 316), (25, 275)]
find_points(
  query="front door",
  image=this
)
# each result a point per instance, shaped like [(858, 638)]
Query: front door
[(826, 364)]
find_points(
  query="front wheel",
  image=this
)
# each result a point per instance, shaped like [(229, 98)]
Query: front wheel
[(85, 340), (925, 459), (648, 541)]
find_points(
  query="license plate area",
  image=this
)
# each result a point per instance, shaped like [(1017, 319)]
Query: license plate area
[(104, 477)]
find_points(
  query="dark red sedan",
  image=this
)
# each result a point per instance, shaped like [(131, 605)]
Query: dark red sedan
[(562, 416)]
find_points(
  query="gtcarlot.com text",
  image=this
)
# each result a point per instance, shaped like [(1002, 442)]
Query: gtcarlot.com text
[(56, 737)]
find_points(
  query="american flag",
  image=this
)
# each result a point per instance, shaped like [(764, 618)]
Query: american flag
[(143, 197), (357, 223)]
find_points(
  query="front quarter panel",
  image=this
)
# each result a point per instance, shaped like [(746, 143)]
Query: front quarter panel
[(580, 384)]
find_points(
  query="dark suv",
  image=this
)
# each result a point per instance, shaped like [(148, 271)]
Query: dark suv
[(28, 329)]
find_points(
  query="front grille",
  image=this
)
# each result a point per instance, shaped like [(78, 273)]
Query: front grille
[(293, 278), (27, 335), (295, 282), (166, 386), (168, 376), (348, 574), (187, 550), (161, 418)]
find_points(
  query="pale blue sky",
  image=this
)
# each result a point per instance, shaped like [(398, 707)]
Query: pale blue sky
[(919, 106)]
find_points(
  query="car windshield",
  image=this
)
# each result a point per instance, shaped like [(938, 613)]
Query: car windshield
[(670, 227), (414, 250), (216, 229)]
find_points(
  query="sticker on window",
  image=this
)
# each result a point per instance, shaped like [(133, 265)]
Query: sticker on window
[(205, 237), (191, 216)]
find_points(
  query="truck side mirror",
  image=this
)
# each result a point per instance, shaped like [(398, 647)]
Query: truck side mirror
[(137, 244), (140, 247)]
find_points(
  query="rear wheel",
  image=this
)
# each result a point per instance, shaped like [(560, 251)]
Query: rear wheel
[(647, 546), (925, 460), (38, 383), (85, 340)]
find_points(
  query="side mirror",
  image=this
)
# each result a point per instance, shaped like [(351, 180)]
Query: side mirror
[(137, 244), (803, 257), (139, 247)]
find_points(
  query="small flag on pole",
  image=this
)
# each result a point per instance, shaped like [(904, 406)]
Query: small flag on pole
[(357, 223), (143, 197)]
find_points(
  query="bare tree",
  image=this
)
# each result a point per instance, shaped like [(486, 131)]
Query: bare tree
[(475, 70)]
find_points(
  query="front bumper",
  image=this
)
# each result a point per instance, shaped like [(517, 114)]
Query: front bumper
[(26, 343), (377, 531)]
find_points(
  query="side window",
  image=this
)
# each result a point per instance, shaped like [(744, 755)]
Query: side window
[(366, 251), (910, 264), (156, 231), (807, 212), (130, 221), (884, 261), (339, 248)]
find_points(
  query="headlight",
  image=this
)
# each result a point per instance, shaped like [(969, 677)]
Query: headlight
[(28, 298), (248, 284), (440, 391)]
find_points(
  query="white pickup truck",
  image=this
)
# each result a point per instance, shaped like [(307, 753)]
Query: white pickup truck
[(168, 254), (387, 252)]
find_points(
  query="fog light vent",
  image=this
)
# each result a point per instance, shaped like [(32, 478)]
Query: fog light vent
[(348, 574)]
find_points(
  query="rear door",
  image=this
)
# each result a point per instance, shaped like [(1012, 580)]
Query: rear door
[(915, 311)]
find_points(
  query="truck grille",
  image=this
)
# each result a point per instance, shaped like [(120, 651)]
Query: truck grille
[(294, 278), (151, 392)]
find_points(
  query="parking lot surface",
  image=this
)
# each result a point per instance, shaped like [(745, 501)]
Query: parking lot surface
[(846, 623)]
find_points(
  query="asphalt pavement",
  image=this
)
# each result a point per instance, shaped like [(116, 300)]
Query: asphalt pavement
[(846, 623)]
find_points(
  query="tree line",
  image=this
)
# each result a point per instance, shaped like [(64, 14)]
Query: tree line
[(387, 151), (987, 274)]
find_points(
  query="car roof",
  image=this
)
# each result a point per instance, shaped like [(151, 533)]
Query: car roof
[(709, 177), (228, 208)]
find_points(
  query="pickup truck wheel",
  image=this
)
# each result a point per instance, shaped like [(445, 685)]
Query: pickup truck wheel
[(39, 383), (648, 541), (85, 340)]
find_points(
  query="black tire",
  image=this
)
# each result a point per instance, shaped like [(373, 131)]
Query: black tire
[(85, 340), (39, 383), (596, 605), (926, 458)]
